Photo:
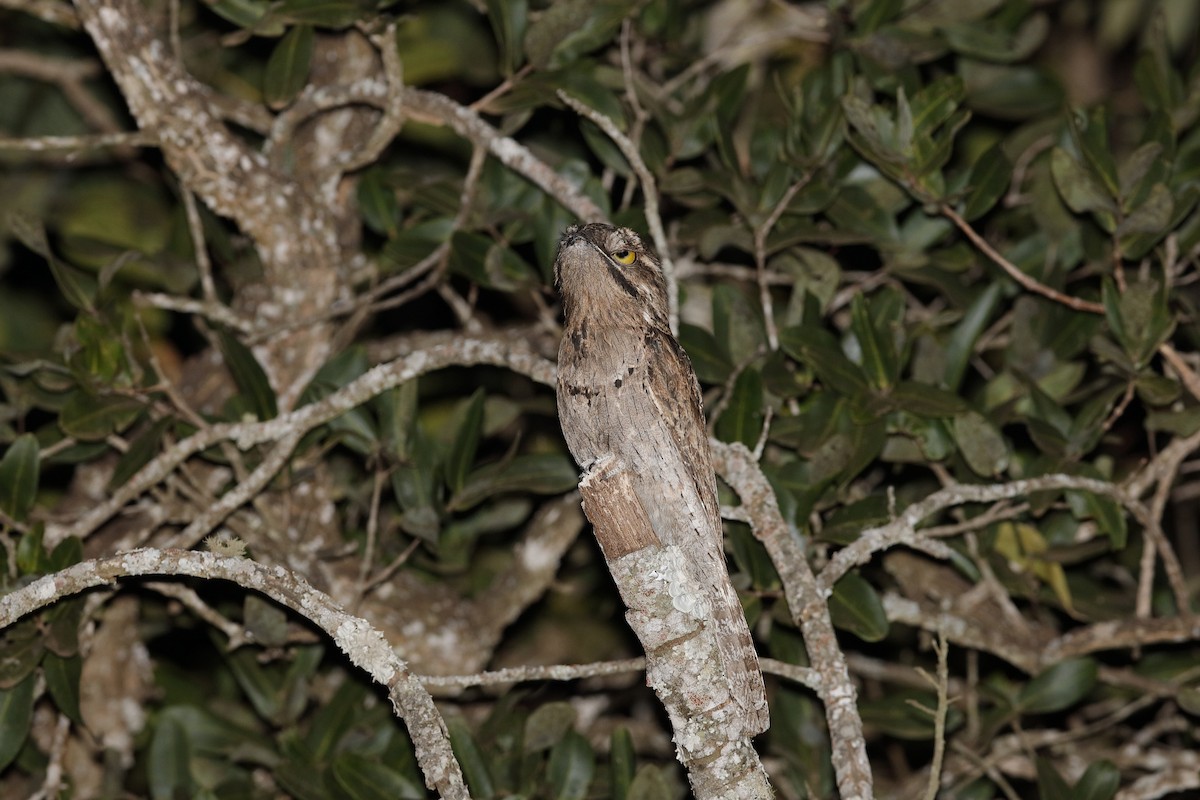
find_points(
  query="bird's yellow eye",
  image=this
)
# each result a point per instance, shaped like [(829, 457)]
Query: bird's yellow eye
[(624, 257)]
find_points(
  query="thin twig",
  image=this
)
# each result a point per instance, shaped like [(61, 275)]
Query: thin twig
[(649, 195), (1014, 271)]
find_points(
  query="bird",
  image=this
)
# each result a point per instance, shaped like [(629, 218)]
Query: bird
[(627, 392)]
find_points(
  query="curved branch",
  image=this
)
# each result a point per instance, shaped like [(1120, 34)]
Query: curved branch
[(455, 352), (358, 639)]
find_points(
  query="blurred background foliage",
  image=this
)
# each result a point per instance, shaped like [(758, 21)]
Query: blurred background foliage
[(832, 149)]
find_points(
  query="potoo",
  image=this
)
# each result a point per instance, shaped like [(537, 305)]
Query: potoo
[(626, 390)]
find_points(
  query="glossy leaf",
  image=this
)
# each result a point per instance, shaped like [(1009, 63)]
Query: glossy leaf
[(989, 180), (572, 764), (1099, 781), (547, 725), (622, 761), (1079, 188), (287, 68), (742, 419), (539, 474), (62, 679), (509, 19), (144, 447), (91, 418), (1059, 687), (567, 30), (168, 770), (16, 712), (323, 13), (266, 622), (980, 444), (364, 778), (879, 362), (19, 477), (855, 606), (249, 376), (1050, 783), (470, 757), (708, 358), (816, 348), (649, 784), (75, 287), (466, 442)]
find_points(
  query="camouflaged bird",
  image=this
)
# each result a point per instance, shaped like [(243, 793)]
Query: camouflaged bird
[(626, 389)]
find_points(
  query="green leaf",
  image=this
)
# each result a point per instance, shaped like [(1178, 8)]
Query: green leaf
[(287, 68), (981, 444), (547, 725), (365, 778), (572, 764), (336, 14), (622, 760), (1006, 46), (818, 349), (62, 679), (1090, 133), (1140, 318), (737, 323), (925, 400), (93, 418), (259, 683), (168, 768), (265, 621), (570, 28), (1080, 190), (248, 375), (879, 362), (649, 784), (470, 757), (397, 410), (742, 419), (1051, 785), (488, 263), (989, 180), (334, 719), (142, 449), (1059, 687), (413, 245), (62, 625), (537, 473), (75, 287), (509, 19), (707, 356), (19, 477), (16, 712), (32, 558), (960, 344), (377, 201), (466, 442), (1109, 518), (904, 714), (855, 606), (243, 13), (1099, 782), (1152, 216)]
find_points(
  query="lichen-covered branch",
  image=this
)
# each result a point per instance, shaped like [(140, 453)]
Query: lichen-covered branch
[(363, 644), (683, 658), (737, 467)]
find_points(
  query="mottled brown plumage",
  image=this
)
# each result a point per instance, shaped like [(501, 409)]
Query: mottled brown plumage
[(626, 389)]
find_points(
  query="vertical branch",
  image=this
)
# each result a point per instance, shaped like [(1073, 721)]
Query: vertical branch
[(684, 664), (736, 466)]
